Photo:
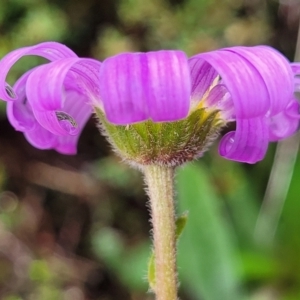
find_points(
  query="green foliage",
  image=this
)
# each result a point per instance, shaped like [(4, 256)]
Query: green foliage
[(208, 254), (181, 223), (129, 264), (151, 272), (193, 26)]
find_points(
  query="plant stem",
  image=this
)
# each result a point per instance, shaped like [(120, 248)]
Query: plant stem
[(160, 181)]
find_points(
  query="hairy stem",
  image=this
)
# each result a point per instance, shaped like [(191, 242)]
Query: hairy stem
[(160, 181)]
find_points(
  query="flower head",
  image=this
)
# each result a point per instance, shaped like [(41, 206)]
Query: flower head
[(50, 103), (251, 86), (159, 106), (259, 83)]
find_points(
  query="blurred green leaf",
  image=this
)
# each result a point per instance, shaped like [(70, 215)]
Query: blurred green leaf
[(258, 266), (118, 175), (207, 253), (133, 267), (241, 194), (130, 265), (287, 236), (39, 271), (107, 243)]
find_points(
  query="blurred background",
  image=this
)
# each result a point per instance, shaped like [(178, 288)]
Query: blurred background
[(77, 227)]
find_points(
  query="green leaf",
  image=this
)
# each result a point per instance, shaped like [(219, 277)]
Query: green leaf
[(108, 244), (128, 264), (133, 267), (180, 224), (240, 195), (287, 235), (207, 255), (151, 271)]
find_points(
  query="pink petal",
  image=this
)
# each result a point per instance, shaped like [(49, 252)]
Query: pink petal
[(248, 143), (47, 91), (49, 50), (140, 86), (260, 83)]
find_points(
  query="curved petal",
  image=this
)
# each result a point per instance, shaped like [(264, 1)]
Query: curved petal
[(243, 81), (215, 96), (67, 145), (74, 105), (40, 138), (275, 71), (49, 50), (285, 123), (48, 89), (43, 139), (251, 78), (141, 86), (19, 112), (295, 68), (202, 77), (248, 143), (296, 72)]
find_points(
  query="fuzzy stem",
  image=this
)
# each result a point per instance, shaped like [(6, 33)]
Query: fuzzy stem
[(160, 181)]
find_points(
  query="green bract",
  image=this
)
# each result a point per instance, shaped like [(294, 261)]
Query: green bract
[(165, 143)]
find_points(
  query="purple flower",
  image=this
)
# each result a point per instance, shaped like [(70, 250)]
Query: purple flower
[(253, 87), (51, 103)]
